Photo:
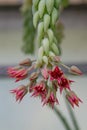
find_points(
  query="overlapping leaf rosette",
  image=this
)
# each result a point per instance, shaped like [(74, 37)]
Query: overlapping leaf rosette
[(46, 79)]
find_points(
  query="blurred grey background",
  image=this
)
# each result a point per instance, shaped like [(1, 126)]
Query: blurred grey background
[(29, 114)]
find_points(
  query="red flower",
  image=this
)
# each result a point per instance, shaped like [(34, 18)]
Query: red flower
[(51, 100), (39, 90), (64, 83), (19, 92), (19, 74), (73, 99), (56, 73)]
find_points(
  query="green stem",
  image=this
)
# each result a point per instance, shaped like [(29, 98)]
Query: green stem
[(72, 115), (62, 118), (65, 66)]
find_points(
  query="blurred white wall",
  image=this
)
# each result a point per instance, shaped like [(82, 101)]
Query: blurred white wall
[(74, 45)]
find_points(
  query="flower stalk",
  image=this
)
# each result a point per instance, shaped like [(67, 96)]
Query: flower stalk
[(62, 118), (72, 115)]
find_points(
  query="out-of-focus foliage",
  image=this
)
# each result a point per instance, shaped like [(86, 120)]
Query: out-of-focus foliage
[(59, 33), (65, 3), (29, 32), (28, 29)]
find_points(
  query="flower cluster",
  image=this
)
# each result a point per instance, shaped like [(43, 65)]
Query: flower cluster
[(44, 82), (45, 75)]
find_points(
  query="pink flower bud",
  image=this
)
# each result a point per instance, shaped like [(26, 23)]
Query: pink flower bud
[(73, 99), (26, 62), (44, 72), (19, 92), (75, 70), (18, 74), (34, 76)]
